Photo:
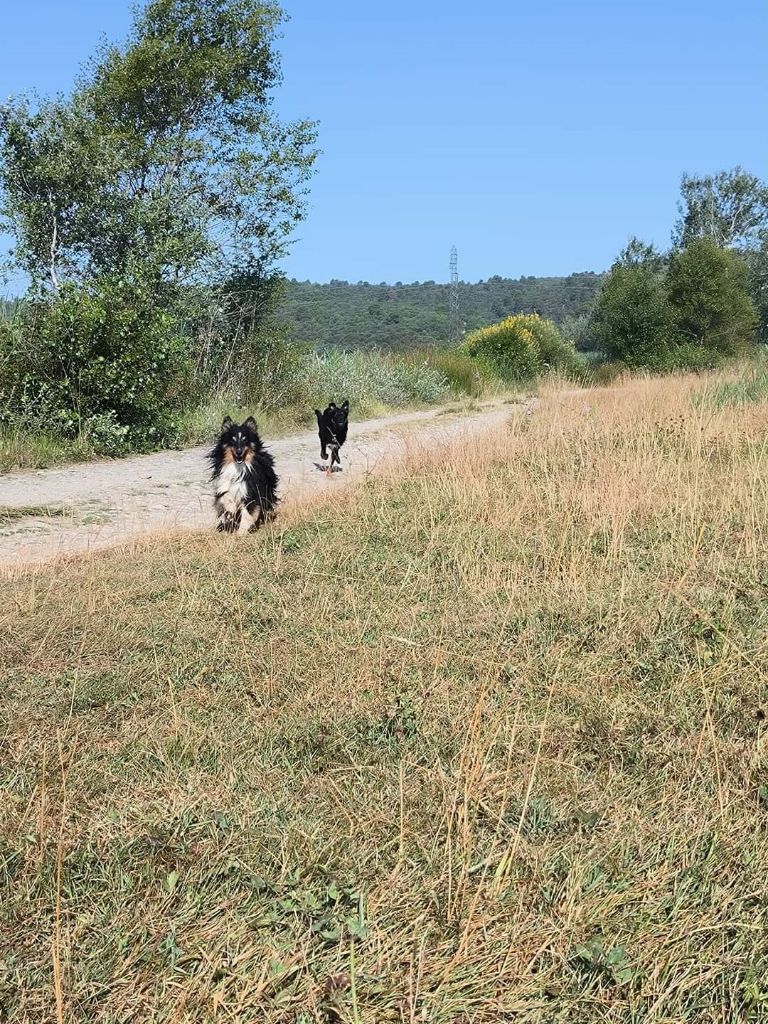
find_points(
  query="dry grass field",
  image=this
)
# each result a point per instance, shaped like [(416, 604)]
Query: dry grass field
[(482, 741)]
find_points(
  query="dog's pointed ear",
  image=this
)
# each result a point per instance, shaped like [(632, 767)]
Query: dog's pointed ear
[(250, 423), (318, 414), (331, 405), (345, 405), (226, 424)]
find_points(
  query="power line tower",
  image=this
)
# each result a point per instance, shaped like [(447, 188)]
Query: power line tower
[(453, 299)]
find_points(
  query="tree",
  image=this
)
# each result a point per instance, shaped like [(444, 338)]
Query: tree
[(730, 208), (50, 168), (578, 331), (154, 199), (632, 318), (637, 253), (707, 288), (757, 262), (167, 162)]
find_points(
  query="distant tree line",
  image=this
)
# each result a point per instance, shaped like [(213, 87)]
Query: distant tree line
[(404, 316)]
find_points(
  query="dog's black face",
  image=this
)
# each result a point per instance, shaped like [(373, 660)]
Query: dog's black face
[(338, 415), (334, 418), (239, 442)]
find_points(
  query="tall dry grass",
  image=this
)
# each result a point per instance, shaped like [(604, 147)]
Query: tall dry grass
[(481, 741)]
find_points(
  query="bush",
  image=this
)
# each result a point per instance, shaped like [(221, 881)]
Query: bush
[(464, 374), (632, 319), (102, 363), (521, 347), (576, 330), (371, 378), (713, 312), (508, 346), (750, 385)]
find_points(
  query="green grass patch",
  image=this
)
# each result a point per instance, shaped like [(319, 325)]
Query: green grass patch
[(12, 513), (748, 387), (27, 448)]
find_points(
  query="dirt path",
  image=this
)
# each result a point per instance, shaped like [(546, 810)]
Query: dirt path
[(89, 506)]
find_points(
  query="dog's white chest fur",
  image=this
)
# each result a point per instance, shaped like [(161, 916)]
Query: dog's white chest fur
[(232, 482)]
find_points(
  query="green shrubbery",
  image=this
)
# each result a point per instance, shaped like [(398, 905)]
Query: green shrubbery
[(373, 378), (521, 347), (690, 311), (464, 375), (633, 321), (711, 308), (104, 364)]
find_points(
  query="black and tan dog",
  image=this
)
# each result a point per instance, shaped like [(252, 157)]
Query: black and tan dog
[(332, 426), (244, 478)]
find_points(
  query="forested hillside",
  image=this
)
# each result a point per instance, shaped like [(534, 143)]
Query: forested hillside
[(366, 315)]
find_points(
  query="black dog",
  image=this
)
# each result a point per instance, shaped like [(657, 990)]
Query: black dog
[(332, 425), (243, 476)]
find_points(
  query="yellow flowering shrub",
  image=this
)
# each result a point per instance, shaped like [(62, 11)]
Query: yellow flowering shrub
[(520, 346)]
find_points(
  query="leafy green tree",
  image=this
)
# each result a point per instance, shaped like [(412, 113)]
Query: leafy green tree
[(707, 288), (632, 318), (52, 165), (157, 196), (730, 208), (757, 262), (167, 162), (637, 253)]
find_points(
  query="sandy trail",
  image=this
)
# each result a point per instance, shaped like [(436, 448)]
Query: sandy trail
[(85, 507)]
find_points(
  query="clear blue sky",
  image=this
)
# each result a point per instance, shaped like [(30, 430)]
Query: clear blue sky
[(537, 137)]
